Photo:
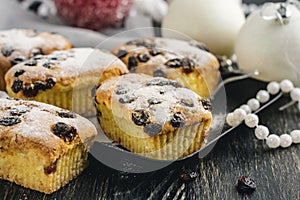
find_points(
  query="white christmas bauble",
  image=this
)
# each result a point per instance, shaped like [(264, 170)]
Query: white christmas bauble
[(269, 46), (214, 23)]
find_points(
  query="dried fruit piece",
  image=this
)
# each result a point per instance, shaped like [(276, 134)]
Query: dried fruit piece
[(206, 104), (154, 51), (7, 51), (29, 90), (48, 65), (64, 131), (140, 117), (127, 99), (173, 63), (19, 72), (9, 121), (132, 62), (187, 65), (177, 120), (162, 82), (18, 111), (35, 52), (51, 168), (18, 60), (31, 63), (143, 57), (152, 129), (66, 114), (17, 86), (50, 82), (121, 90), (121, 53), (246, 184)]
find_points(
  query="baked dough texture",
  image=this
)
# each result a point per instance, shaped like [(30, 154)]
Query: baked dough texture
[(64, 78), (18, 45), (153, 116), (42, 147), (188, 63)]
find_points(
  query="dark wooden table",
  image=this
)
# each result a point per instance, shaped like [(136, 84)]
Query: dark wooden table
[(277, 172)]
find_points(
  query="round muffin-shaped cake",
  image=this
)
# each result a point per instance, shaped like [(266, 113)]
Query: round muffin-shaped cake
[(42, 147), (153, 116), (189, 63), (63, 78), (18, 45)]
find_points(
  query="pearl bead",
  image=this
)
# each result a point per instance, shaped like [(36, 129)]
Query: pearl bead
[(295, 94), (285, 140), (253, 104), (273, 88), (251, 120), (239, 114), (286, 86), (263, 96), (295, 134), (261, 132), (273, 141), (246, 108), (230, 119)]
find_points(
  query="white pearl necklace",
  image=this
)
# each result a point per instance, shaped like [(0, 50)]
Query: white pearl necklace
[(246, 113)]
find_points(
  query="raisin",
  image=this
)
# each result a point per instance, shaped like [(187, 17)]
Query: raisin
[(121, 90), (31, 63), (159, 73), (9, 121), (177, 120), (19, 72), (173, 63), (48, 65), (17, 60), (246, 184), (29, 90), (132, 62), (38, 85), (37, 57), (144, 44), (53, 58), (7, 51), (187, 65), (35, 52), (121, 53), (153, 101), (154, 52), (66, 114), (50, 82), (127, 99), (140, 117), (188, 175), (206, 104), (143, 57), (51, 168), (17, 86), (187, 102), (34, 6), (64, 131), (152, 129), (18, 111), (162, 82)]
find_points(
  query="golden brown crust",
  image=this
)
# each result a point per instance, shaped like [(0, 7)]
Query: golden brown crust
[(62, 73), (17, 45), (43, 135), (178, 60), (139, 111)]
